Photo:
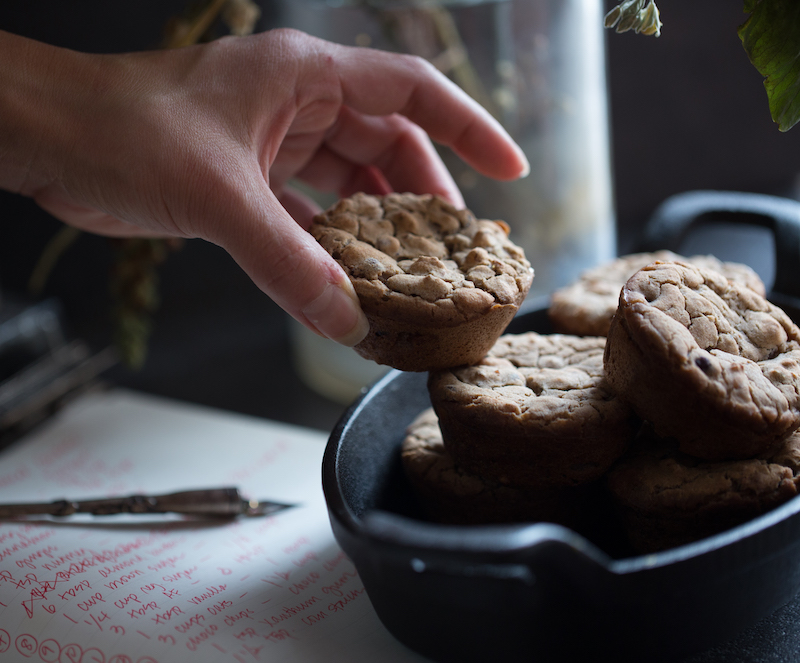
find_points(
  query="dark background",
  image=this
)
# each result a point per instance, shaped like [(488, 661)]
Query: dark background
[(688, 112)]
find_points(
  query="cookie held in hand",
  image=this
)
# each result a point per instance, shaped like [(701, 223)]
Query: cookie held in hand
[(707, 361), (437, 285)]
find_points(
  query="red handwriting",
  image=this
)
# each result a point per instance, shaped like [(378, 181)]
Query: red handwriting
[(209, 592), (186, 574), (201, 637), (294, 547), (38, 554), (73, 591), (96, 620), (346, 598), (276, 636), (219, 607), (289, 611), (72, 653), (140, 612), (91, 602), (26, 645), (124, 579), (121, 566), (166, 616), (169, 562), (52, 651), (306, 582), (121, 603), (247, 613), (49, 651), (249, 555), (24, 542), (313, 619), (310, 556), (273, 578), (333, 562), (166, 546), (193, 621), (335, 588)]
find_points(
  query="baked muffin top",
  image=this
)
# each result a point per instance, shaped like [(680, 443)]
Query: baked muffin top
[(553, 380), (727, 340), (417, 257), (588, 305)]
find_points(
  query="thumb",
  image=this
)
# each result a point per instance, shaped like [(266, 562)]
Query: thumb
[(288, 264)]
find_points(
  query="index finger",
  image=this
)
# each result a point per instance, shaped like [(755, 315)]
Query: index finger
[(375, 82)]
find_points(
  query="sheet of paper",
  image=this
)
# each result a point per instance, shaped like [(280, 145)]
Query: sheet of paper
[(153, 589)]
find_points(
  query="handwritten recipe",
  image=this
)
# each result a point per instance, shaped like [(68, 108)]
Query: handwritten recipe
[(158, 589)]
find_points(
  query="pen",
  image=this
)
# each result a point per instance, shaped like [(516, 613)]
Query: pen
[(220, 502)]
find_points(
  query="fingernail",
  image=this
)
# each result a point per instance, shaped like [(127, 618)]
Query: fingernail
[(526, 169), (336, 314)]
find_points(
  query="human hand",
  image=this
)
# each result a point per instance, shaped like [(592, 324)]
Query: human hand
[(203, 142)]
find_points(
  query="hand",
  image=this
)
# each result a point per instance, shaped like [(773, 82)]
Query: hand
[(203, 142)]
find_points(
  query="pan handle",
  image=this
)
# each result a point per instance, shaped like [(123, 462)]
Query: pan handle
[(675, 217), (515, 552)]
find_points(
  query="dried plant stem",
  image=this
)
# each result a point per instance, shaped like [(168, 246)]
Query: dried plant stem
[(198, 27), (457, 58), (53, 250)]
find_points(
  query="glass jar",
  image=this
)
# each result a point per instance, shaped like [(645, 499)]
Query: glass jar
[(539, 67)]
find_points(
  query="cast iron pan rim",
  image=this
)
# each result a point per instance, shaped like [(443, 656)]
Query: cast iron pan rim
[(502, 543), (668, 225)]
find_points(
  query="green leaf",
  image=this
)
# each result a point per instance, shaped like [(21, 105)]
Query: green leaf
[(771, 39)]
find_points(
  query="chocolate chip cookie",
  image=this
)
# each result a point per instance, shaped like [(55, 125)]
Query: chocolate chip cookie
[(708, 361), (667, 498), (437, 285), (448, 493), (537, 411), (587, 306)]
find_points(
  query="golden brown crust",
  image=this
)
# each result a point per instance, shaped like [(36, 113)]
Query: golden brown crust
[(667, 498), (437, 285), (535, 412), (587, 306), (450, 494), (707, 361)]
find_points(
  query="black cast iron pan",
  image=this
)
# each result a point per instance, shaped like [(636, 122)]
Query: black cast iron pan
[(541, 592)]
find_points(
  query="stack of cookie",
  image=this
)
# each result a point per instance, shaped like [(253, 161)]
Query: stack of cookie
[(714, 368), (536, 416), (524, 427)]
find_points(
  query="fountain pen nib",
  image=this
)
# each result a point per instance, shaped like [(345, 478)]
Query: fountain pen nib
[(262, 508)]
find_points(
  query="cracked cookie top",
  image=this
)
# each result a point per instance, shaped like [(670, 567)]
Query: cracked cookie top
[(708, 361), (551, 379), (588, 305), (418, 256), (714, 329)]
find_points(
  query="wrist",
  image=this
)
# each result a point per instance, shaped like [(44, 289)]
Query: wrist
[(43, 109)]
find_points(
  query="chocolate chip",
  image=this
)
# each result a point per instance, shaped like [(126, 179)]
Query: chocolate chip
[(703, 363)]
